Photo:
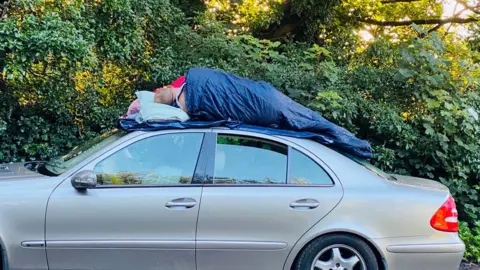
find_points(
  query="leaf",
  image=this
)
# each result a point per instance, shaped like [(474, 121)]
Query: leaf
[(275, 44), (418, 29), (440, 154), (450, 128), (306, 66), (432, 104), (428, 129), (406, 73), (432, 80)]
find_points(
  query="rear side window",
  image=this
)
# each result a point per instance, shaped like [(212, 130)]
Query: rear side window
[(242, 160), (305, 171)]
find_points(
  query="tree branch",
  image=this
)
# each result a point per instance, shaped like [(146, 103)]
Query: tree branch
[(397, 1), (434, 28), (422, 21), (455, 15), (471, 8), (4, 8)]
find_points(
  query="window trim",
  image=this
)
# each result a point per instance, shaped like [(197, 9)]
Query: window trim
[(268, 185), (209, 148), (289, 163), (146, 186), (289, 145), (198, 174)]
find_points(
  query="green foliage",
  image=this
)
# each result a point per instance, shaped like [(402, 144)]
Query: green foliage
[(271, 17), (70, 69), (471, 238), (414, 111)]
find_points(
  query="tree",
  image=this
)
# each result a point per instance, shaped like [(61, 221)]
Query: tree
[(306, 20), (273, 19)]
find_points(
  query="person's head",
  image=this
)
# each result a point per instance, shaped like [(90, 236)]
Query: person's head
[(165, 95)]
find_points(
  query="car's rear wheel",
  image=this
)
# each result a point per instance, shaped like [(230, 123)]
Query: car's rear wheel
[(337, 252)]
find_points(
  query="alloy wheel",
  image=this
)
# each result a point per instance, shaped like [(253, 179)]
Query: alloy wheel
[(338, 257)]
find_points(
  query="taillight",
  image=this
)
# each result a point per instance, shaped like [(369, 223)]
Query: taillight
[(446, 218)]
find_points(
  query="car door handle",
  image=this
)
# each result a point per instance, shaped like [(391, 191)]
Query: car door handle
[(182, 203), (305, 203)]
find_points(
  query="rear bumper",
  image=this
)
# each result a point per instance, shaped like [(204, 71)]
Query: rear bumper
[(423, 255), (427, 248), (424, 261)]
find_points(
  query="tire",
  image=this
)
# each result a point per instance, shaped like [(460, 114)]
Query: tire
[(346, 245)]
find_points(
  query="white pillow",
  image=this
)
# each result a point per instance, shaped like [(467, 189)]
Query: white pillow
[(151, 111)]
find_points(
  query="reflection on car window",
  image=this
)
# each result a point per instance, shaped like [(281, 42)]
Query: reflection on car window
[(303, 170), (62, 164), (242, 160), (160, 160)]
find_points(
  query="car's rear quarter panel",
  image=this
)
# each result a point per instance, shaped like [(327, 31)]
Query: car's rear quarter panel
[(375, 209)]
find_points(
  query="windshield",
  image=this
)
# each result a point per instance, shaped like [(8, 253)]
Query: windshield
[(80, 153)]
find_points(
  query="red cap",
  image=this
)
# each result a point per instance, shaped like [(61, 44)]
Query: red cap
[(177, 83)]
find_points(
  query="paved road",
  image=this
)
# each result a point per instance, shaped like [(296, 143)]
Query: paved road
[(465, 266)]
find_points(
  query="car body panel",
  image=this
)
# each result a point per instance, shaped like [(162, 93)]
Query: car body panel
[(120, 228), (239, 227), (22, 210), (427, 248), (415, 202), (150, 234), (404, 213), (439, 250), (233, 214)]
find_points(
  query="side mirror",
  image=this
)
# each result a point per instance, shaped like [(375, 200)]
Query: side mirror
[(84, 180)]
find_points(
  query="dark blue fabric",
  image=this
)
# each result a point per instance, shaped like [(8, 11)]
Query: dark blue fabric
[(212, 95), (132, 125), (216, 98)]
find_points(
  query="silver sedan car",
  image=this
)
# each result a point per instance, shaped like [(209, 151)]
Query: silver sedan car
[(218, 199)]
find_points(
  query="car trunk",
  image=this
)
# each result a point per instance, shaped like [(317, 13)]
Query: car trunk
[(420, 183)]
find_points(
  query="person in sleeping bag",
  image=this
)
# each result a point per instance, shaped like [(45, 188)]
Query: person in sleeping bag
[(210, 94)]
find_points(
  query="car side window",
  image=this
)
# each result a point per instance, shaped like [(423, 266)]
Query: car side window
[(245, 160), (305, 171), (168, 159)]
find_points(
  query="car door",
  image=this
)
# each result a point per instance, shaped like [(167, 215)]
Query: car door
[(262, 195), (141, 215)]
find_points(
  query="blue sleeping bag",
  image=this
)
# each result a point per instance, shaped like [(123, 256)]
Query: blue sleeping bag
[(213, 95)]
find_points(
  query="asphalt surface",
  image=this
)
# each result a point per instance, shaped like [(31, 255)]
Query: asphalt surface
[(469, 266)]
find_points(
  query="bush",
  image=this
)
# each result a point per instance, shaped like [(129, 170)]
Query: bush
[(471, 238), (70, 69)]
